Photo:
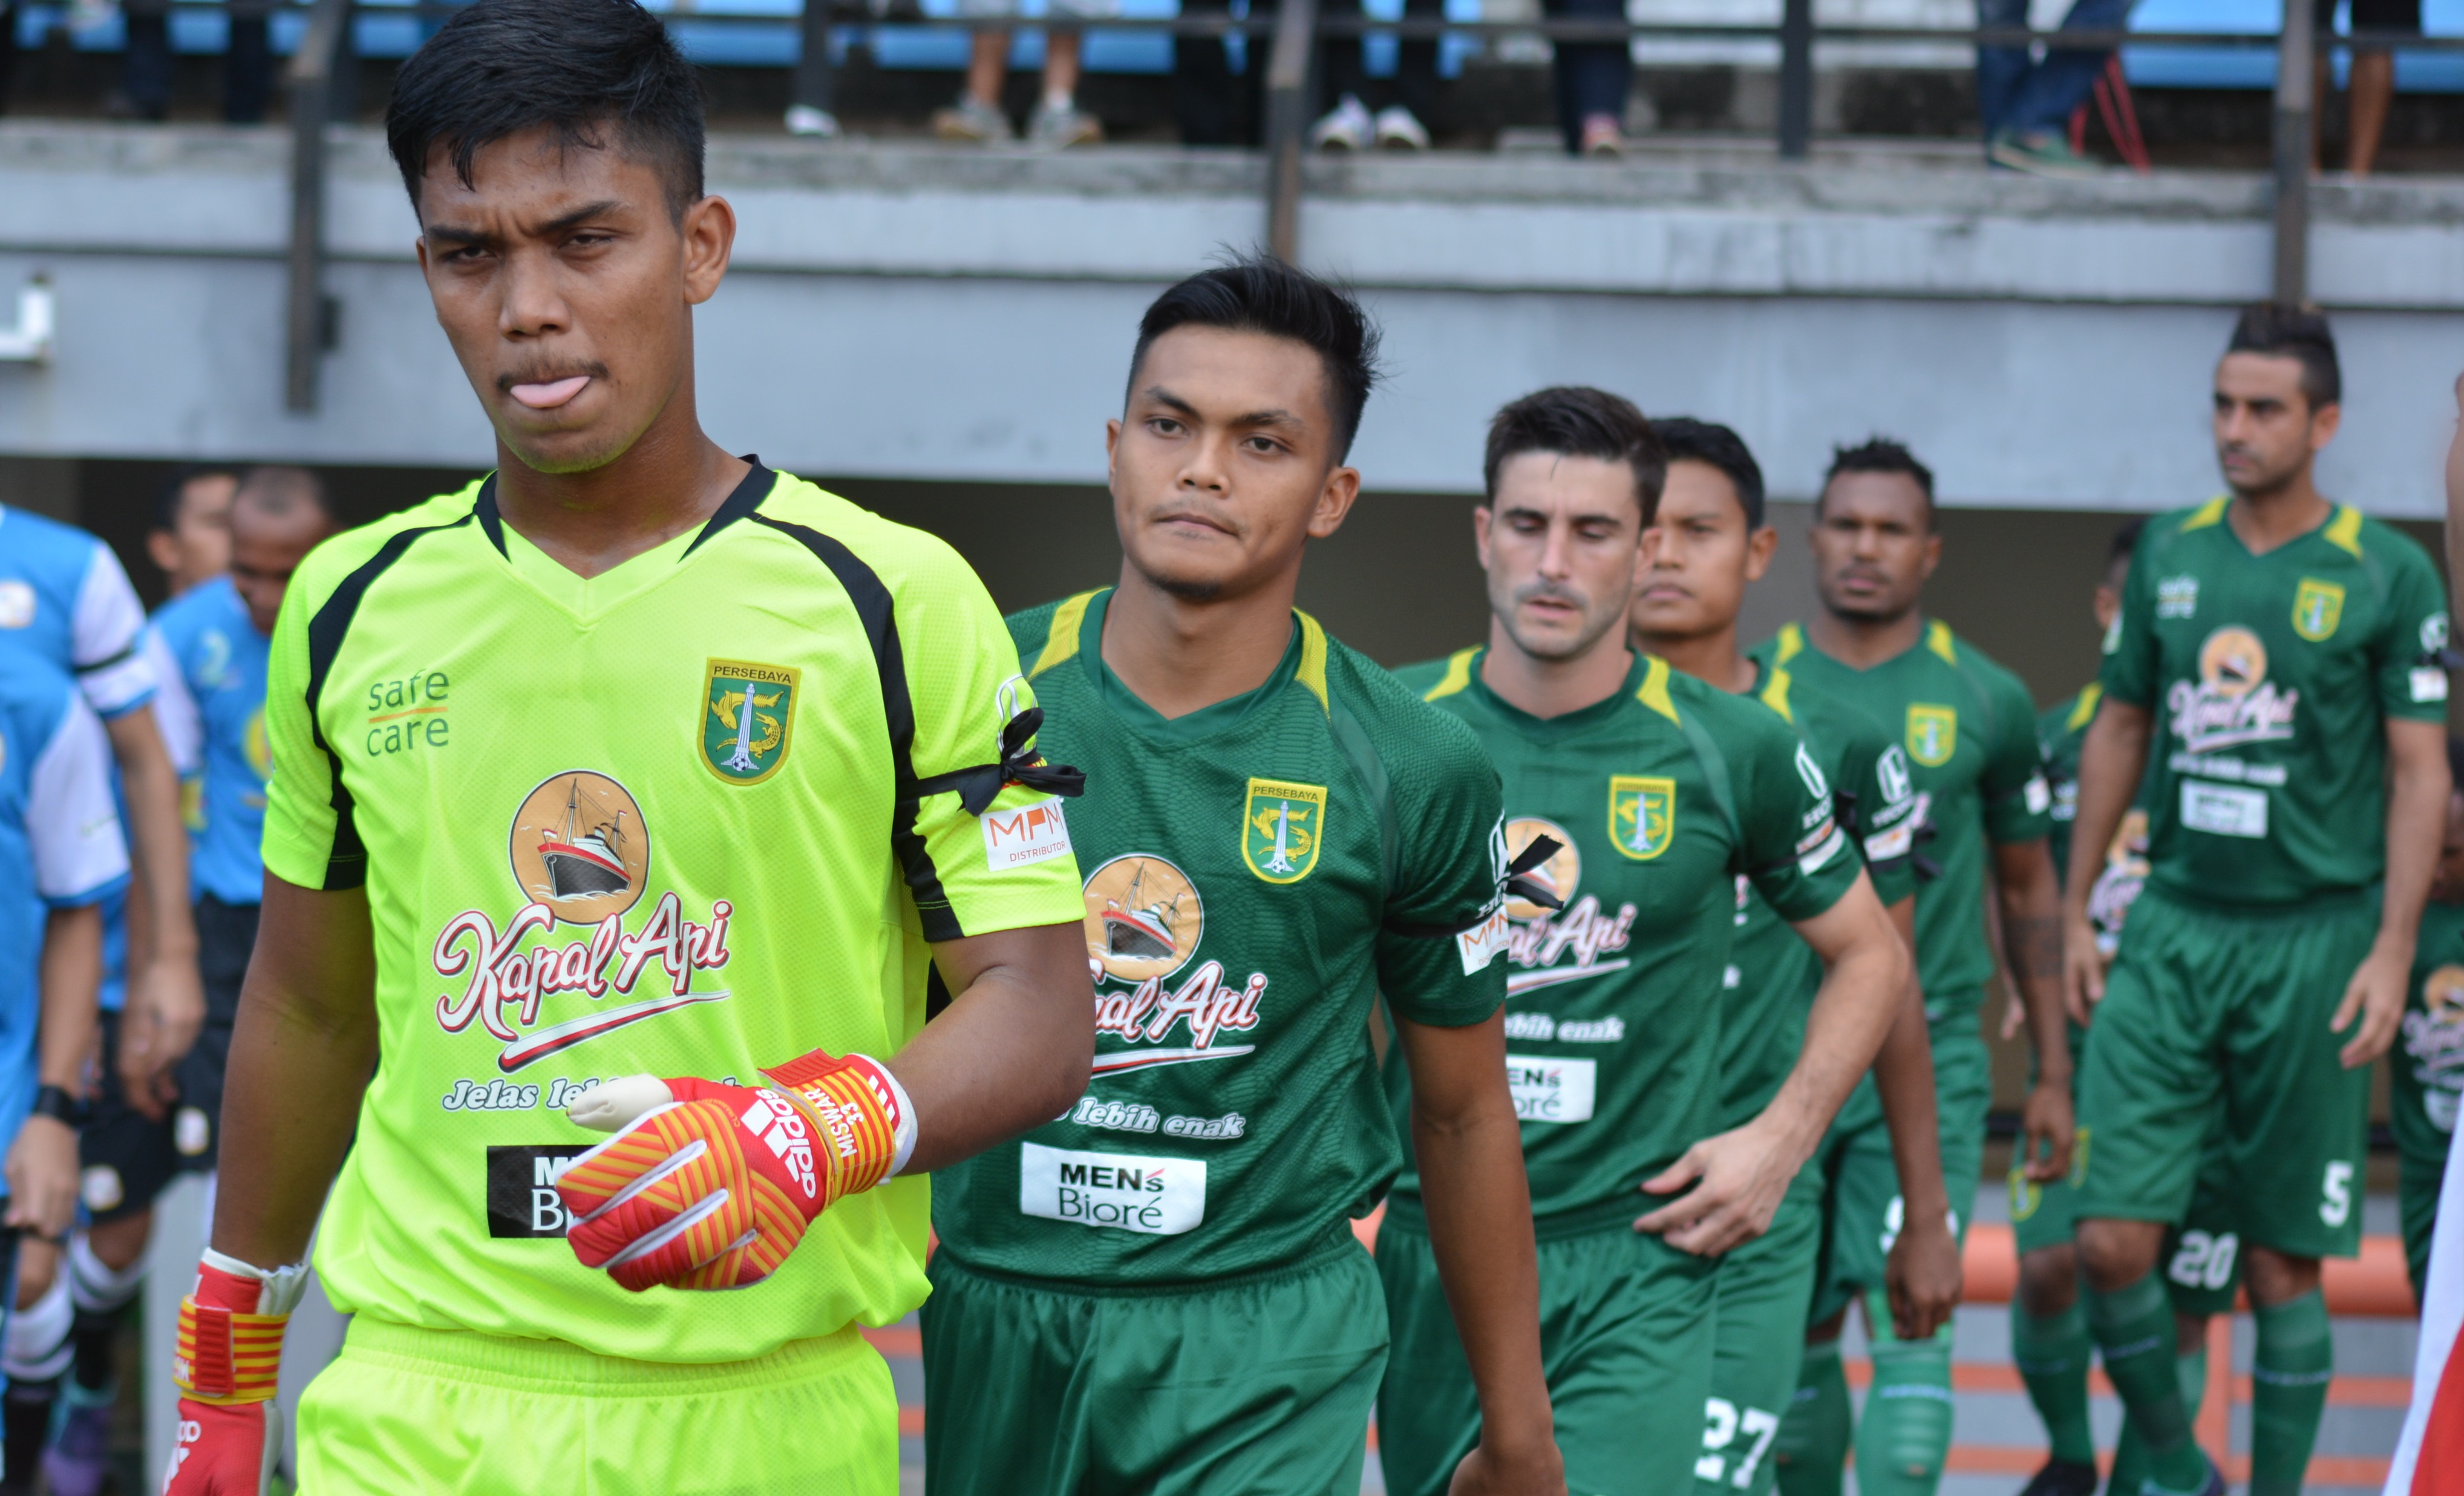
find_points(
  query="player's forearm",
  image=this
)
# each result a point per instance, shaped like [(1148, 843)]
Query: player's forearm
[(2418, 786), (158, 841), (2112, 759), (72, 972), (1903, 1080), (1865, 978), (2031, 937), (1013, 1050), (1470, 1150), (301, 1055)]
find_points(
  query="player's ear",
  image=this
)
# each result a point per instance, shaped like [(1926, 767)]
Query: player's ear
[(1335, 498), (1760, 546), (709, 231), (2323, 422)]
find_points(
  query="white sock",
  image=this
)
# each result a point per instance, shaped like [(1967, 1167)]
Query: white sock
[(36, 1346), (96, 1288)]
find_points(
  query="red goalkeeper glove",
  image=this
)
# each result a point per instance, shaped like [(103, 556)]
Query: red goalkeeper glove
[(709, 1185), (229, 1350)]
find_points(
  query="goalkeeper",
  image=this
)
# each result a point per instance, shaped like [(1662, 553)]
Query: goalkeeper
[(636, 785)]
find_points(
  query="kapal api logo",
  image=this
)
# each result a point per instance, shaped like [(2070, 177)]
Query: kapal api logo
[(580, 854), (2233, 702), (1144, 921), (1537, 952)]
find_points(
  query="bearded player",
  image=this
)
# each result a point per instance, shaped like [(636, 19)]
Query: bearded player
[(2276, 676), (1967, 727), (1160, 1291), (1657, 792), (634, 759), (1708, 543)]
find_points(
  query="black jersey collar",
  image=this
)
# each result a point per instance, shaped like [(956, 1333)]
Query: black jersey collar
[(746, 497)]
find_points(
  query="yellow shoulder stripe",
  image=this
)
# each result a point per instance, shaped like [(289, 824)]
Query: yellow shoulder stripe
[(1458, 674), (1792, 643), (1312, 672), (2345, 531), (1774, 694), (1938, 639), (2084, 710), (1062, 643), (2207, 513), (1653, 692)]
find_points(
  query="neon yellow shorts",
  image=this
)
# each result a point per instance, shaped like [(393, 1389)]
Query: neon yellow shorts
[(444, 1411)]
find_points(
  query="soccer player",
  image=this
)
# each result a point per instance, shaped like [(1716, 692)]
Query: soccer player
[(210, 644), (633, 756), (1968, 728), (2427, 1067), (1657, 792), (190, 541), (1160, 1291), (1706, 544), (65, 599), (2291, 648)]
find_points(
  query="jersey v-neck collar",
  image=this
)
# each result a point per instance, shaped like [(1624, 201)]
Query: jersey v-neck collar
[(1569, 724), (1879, 666), (587, 597), (1191, 726)]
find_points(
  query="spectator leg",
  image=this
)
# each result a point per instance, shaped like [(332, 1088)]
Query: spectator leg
[(987, 66), (815, 82), (1592, 78), (2370, 97), (2067, 77), (1343, 68), (248, 67), (1416, 69), (145, 68), (1999, 70), (1217, 106)]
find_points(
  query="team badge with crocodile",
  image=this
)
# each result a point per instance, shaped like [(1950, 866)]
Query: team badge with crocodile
[(748, 719)]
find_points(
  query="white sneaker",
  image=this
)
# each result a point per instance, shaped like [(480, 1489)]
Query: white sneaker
[(1059, 128), (1347, 126), (1398, 130), (968, 119), (815, 123)]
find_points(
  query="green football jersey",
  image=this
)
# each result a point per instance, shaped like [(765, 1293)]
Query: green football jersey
[(1970, 731), (1659, 798), (2271, 679), (2427, 1065), (671, 818), (1257, 873), (1774, 973)]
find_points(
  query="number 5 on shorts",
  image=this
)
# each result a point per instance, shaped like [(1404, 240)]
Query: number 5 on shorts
[(2337, 1189)]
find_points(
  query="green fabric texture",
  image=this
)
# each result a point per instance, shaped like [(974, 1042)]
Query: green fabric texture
[(2052, 1355), (1763, 1288), (2289, 1374), (1259, 1387), (2135, 1333), (1811, 1451), (1625, 1343), (2130, 1451), (1904, 1432)]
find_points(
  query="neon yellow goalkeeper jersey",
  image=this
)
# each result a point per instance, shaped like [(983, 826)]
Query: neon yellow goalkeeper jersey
[(687, 817)]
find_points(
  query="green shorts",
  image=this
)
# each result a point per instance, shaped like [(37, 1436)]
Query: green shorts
[(1861, 1184), (1258, 1386), (1758, 1339), (1625, 1340), (2208, 1007), (2042, 1215), (433, 1410)]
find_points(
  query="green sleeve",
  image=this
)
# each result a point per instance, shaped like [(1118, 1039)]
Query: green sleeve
[(1796, 855), (1877, 769), (2132, 664), (1444, 920), (2413, 686), (2019, 803)]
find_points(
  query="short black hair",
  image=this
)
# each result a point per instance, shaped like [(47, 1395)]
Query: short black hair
[(2125, 541), (174, 490), (1578, 421), (1688, 440), (1262, 293), (2293, 332), (1878, 454), (279, 491), (577, 68)]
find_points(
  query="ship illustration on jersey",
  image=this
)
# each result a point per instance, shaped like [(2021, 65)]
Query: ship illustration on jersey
[(585, 864), (1141, 929)]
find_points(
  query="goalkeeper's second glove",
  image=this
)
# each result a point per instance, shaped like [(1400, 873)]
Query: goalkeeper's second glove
[(225, 1360), (708, 1185)]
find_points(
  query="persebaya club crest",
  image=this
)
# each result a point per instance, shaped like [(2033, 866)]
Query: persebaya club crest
[(1281, 827), (1642, 815), (747, 719), (2318, 606), (1933, 733)]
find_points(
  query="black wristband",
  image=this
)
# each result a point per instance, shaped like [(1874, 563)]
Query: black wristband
[(54, 1102)]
